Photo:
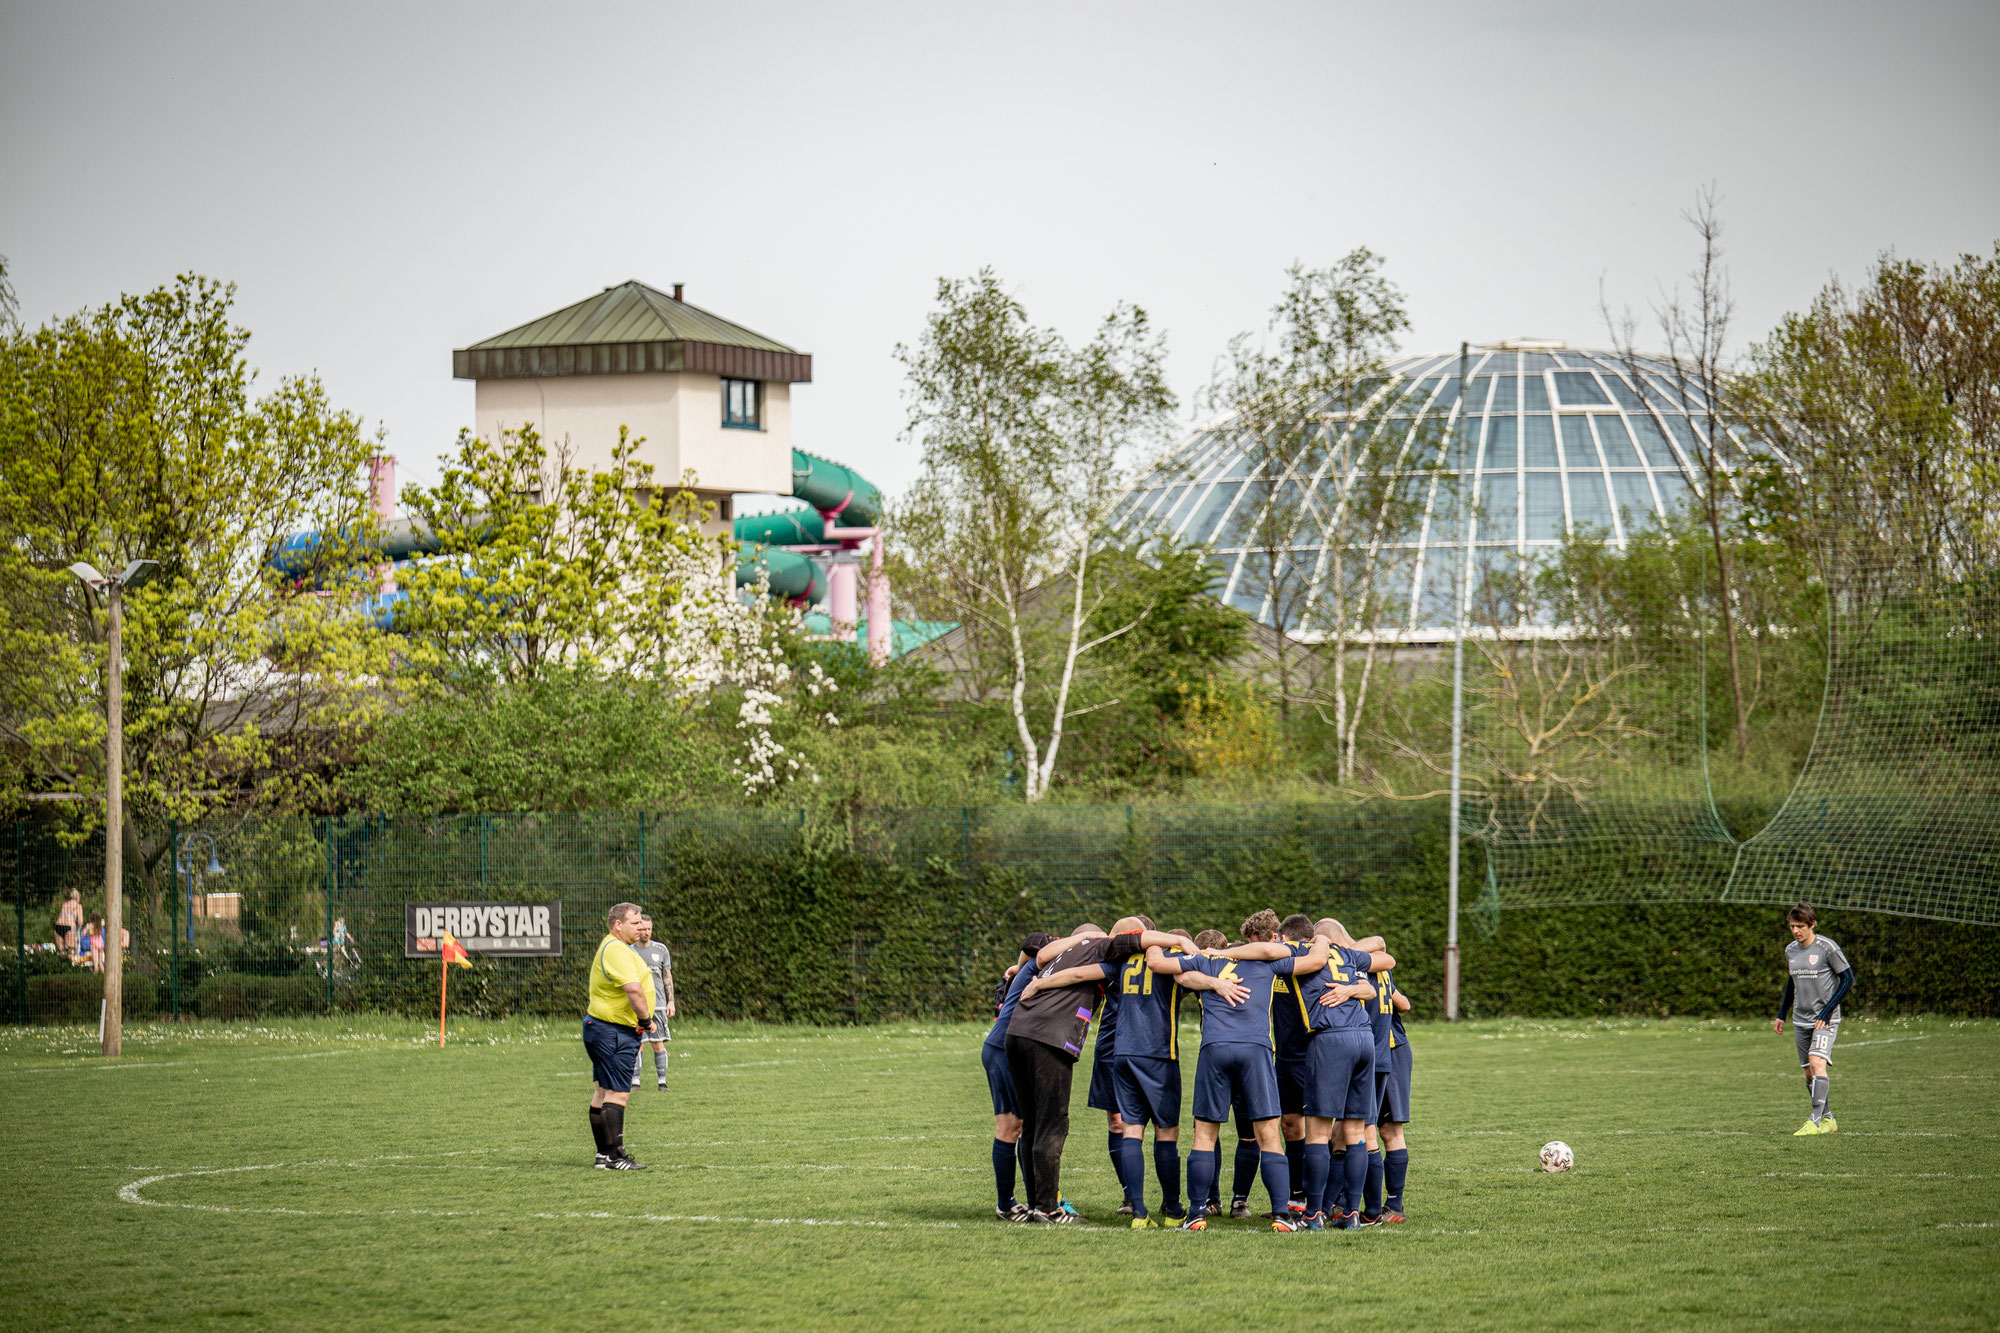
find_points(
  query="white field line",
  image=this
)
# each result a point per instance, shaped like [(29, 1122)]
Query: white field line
[(1879, 1041), (133, 1193), (187, 1064)]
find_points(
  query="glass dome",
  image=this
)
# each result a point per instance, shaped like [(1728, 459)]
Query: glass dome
[(1557, 441)]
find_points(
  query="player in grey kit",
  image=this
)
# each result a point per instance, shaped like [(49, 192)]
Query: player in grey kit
[(1817, 976), (661, 964)]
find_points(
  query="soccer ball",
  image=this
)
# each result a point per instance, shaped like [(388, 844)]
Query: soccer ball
[(1557, 1156)]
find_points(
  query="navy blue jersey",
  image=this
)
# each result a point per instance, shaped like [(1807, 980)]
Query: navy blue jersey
[(1343, 967), (1381, 1016), (998, 1036), (1107, 1013), (1250, 1021), (1398, 1038), (1291, 1025), (1149, 1011)]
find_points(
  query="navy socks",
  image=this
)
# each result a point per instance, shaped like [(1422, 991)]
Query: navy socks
[(1318, 1165), (1167, 1165), (1356, 1174), (1295, 1162), (1132, 1153), (1371, 1190), (1336, 1189), (1277, 1180), (1003, 1172), (1247, 1154), (1202, 1167), (1395, 1169), (1114, 1145)]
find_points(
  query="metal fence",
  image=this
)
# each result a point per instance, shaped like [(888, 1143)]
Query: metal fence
[(885, 913)]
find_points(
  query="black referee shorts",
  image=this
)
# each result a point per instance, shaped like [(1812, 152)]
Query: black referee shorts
[(614, 1053)]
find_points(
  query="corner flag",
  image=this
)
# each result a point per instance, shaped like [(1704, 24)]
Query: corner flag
[(449, 951)]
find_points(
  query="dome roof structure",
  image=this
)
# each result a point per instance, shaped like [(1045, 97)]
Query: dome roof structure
[(1557, 441)]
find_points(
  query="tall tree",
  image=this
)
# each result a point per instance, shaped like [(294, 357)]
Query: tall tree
[(1325, 469), (546, 569), (1024, 442), (1885, 404), (1695, 329), (129, 432)]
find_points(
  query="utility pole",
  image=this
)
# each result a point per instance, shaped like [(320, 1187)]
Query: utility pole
[(1457, 698), (113, 587)]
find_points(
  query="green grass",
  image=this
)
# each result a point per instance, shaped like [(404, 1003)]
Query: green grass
[(334, 1174)]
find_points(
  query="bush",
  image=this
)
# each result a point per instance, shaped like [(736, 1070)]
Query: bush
[(248, 995), (77, 996)]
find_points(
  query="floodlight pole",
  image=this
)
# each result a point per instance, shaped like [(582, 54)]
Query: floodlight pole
[(1457, 701), (113, 587), (114, 825)]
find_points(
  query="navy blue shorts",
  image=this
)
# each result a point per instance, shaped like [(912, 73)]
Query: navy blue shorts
[(614, 1053), (1235, 1072), (1340, 1076), (999, 1079), (1395, 1085), (1103, 1095), (1292, 1087), (1149, 1089)]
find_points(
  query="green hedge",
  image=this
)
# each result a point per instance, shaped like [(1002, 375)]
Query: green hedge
[(779, 917), (249, 995), (77, 997), (804, 928)]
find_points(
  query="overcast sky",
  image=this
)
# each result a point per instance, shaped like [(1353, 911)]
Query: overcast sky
[(387, 182)]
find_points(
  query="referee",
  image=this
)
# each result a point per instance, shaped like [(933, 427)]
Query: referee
[(621, 1007)]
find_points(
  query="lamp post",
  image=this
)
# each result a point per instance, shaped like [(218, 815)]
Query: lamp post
[(187, 864), (1464, 596), (113, 587)]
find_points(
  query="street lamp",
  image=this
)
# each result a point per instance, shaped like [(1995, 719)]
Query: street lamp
[(186, 864), (113, 587)]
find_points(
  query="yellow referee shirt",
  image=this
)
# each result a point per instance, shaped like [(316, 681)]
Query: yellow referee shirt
[(615, 968)]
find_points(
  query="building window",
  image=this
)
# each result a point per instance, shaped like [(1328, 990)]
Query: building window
[(742, 404)]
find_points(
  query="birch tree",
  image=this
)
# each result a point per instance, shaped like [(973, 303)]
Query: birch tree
[(1330, 480), (1025, 442)]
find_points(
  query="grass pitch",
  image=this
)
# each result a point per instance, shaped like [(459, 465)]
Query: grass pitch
[(343, 1174)]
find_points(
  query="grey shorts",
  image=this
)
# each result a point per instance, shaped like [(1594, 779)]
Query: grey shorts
[(1815, 1041), (658, 1032)]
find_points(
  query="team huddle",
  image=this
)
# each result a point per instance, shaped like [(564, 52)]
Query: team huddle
[(1302, 1044)]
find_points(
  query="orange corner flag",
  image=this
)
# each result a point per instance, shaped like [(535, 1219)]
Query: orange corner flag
[(449, 951)]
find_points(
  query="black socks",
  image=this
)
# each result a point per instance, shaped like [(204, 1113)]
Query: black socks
[(614, 1128), (597, 1127)]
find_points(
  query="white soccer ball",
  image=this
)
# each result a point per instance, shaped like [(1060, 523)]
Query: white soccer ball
[(1557, 1156)]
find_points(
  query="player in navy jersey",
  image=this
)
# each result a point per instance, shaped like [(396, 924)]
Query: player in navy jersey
[(1236, 1060), (1247, 1153), (1000, 1083), (1386, 1131), (1103, 1096), (1340, 1088), (1290, 1033), (1395, 1111)]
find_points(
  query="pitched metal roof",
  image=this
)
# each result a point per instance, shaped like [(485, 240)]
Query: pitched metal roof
[(630, 327)]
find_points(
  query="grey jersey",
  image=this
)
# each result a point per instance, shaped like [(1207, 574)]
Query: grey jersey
[(1815, 968), (659, 962)]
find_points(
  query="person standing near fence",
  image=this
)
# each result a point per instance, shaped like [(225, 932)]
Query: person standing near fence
[(69, 920), (621, 1008), (660, 963)]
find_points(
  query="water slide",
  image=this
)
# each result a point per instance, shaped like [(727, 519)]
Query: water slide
[(780, 547)]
